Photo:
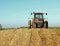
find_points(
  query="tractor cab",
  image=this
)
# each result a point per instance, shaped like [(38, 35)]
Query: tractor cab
[(38, 16)]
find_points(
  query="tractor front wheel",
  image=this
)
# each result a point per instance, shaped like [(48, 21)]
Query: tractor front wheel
[(34, 25), (46, 24)]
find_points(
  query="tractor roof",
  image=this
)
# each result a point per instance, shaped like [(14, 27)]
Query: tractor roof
[(38, 13)]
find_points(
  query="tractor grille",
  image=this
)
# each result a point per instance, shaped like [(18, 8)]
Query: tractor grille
[(40, 23)]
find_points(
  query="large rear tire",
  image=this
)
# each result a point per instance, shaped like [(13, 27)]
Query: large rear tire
[(46, 24), (29, 24)]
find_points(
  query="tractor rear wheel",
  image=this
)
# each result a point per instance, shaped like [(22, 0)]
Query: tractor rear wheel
[(29, 24), (34, 25), (46, 24)]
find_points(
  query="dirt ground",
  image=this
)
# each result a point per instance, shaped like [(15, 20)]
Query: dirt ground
[(30, 37)]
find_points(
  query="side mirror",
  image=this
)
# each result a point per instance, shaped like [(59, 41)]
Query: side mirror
[(31, 13), (46, 13)]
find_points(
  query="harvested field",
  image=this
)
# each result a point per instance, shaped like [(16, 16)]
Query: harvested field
[(30, 37)]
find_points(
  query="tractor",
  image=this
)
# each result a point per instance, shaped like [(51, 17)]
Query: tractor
[(38, 21)]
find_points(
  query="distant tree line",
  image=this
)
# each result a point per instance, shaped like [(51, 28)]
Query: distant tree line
[(0, 27)]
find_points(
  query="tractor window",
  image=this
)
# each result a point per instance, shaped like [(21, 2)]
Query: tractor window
[(39, 16)]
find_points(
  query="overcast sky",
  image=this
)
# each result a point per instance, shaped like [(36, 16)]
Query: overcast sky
[(15, 13)]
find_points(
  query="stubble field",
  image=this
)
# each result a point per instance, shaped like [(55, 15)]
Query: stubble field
[(30, 37)]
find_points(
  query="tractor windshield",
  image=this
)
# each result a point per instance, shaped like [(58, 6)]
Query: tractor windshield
[(39, 16)]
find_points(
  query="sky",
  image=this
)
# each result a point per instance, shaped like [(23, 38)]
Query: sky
[(15, 13)]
